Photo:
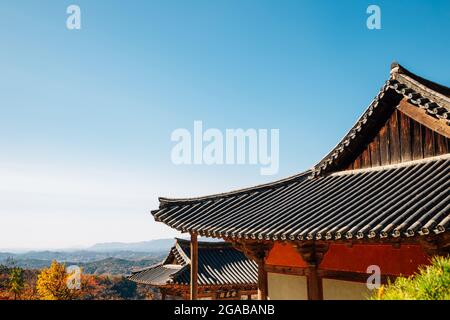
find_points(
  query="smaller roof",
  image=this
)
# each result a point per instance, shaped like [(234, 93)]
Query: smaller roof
[(218, 264), (158, 274)]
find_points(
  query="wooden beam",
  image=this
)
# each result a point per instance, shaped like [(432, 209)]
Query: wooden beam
[(312, 253), (352, 276), (194, 267), (298, 271), (421, 116)]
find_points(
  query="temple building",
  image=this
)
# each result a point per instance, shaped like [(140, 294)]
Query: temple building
[(224, 273), (378, 200)]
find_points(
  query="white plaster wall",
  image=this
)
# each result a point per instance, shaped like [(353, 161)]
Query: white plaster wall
[(286, 287), (344, 290)]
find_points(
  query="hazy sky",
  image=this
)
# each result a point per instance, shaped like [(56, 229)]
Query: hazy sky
[(86, 115)]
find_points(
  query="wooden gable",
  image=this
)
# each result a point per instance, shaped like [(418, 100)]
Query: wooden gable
[(406, 135), (409, 119)]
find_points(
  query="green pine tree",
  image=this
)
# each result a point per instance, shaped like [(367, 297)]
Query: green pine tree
[(16, 282)]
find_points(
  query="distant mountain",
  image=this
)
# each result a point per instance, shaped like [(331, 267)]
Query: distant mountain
[(83, 256), (28, 263), (116, 266), (159, 245), (103, 258), (111, 266), (151, 246)]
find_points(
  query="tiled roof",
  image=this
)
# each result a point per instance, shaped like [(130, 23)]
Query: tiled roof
[(392, 201), (156, 275), (218, 264)]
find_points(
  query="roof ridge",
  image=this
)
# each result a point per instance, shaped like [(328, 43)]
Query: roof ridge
[(205, 244), (152, 266), (442, 90), (305, 174), (180, 250), (393, 166)]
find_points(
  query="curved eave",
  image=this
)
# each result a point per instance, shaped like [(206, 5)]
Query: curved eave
[(156, 275), (394, 201), (165, 202)]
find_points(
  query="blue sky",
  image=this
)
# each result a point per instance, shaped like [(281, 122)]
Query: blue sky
[(86, 115)]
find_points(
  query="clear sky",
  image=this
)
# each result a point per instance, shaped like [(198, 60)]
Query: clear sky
[(86, 115)]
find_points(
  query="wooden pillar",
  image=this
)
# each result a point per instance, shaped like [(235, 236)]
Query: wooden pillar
[(315, 291), (258, 252), (194, 267), (312, 253), (262, 280)]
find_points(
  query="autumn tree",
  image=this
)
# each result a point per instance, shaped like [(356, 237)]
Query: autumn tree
[(52, 283), (16, 282), (125, 288)]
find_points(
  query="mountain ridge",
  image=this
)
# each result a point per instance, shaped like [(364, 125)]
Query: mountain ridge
[(141, 246), (162, 244)]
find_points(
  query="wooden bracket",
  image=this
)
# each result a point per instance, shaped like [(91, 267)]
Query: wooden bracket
[(257, 251), (421, 116), (312, 253)]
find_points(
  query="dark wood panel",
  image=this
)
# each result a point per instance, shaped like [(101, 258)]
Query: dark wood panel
[(441, 144), (365, 158), (374, 148), (401, 139), (405, 137), (394, 138), (428, 142), (416, 139), (357, 163), (384, 144)]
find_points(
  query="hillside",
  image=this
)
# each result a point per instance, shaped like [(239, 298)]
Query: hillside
[(116, 266), (143, 246), (79, 256), (115, 258), (110, 266)]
